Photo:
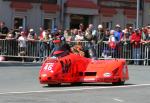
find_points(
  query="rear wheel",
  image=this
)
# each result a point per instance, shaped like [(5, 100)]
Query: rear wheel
[(54, 85), (76, 84)]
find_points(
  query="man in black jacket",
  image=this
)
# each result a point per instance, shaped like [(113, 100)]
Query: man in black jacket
[(3, 30)]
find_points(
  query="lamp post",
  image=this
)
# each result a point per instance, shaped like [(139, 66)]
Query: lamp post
[(137, 14)]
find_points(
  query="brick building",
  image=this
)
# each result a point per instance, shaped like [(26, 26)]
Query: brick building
[(69, 13), (123, 12)]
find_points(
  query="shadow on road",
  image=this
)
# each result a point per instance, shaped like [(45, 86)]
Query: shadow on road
[(86, 84)]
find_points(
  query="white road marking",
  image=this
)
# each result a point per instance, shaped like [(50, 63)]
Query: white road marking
[(119, 100), (73, 89)]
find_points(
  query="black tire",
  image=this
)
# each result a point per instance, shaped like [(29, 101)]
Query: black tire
[(54, 85), (76, 84), (118, 83)]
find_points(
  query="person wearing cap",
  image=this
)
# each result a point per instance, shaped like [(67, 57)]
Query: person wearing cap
[(22, 45), (32, 37), (100, 33), (118, 35), (118, 32), (125, 43)]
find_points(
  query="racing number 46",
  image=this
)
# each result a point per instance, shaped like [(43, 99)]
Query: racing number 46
[(49, 67)]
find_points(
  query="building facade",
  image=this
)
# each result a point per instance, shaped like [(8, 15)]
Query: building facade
[(70, 13), (123, 12)]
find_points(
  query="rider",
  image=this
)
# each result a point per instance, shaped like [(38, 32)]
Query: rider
[(61, 48)]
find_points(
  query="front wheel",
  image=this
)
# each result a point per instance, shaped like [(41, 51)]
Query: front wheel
[(118, 83)]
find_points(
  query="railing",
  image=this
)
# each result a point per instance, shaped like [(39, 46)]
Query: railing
[(39, 49)]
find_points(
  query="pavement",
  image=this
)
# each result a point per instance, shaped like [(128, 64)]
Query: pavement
[(19, 84), (19, 63)]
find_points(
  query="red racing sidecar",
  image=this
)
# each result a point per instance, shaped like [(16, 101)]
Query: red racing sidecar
[(72, 68)]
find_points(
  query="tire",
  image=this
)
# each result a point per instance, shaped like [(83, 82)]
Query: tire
[(118, 83), (76, 84), (54, 85)]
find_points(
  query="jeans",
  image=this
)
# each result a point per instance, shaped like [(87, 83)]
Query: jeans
[(91, 49), (44, 50), (136, 53)]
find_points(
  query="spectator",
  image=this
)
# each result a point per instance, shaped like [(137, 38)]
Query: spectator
[(100, 33), (125, 43), (112, 43), (42, 33), (75, 32), (10, 36), (88, 35), (145, 39), (32, 35), (135, 41), (80, 36), (44, 45), (81, 27), (118, 33), (112, 40), (3, 30), (32, 44), (93, 31), (67, 35), (130, 29), (146, 35), (91, 37), (106, 35), (22, 45), (11, 44), (105, 47), (59, 31)]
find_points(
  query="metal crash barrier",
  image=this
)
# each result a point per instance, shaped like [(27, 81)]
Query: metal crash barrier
[(37, 49)]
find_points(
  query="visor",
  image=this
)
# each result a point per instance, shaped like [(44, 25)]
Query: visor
[(57, 52)]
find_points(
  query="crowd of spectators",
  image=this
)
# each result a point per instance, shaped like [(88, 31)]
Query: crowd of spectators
[(94, 35)]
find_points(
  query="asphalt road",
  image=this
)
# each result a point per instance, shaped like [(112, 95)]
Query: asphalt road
[(19, 84)]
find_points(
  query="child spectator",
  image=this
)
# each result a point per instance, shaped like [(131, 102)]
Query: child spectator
[(22, 45)]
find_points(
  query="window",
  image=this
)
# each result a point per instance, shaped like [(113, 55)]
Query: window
[(19, 21), (107, 24), (129, 25), (47, 23), (36, 1)]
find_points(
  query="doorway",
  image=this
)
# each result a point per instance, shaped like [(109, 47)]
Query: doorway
[(75, 20)]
